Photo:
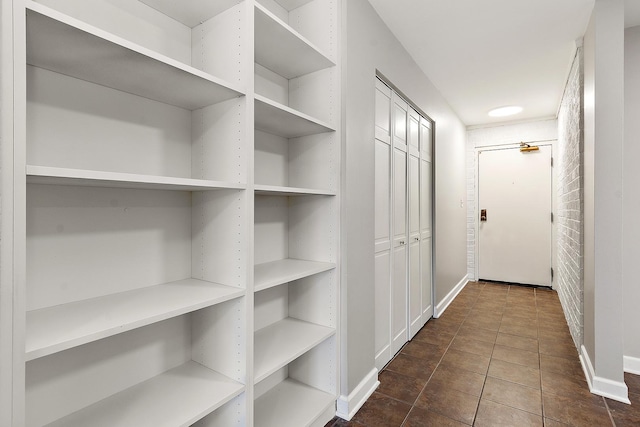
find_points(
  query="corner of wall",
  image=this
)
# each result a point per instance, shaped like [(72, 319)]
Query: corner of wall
[(632, 365), (347, 406), (616, 390), (442, 305)]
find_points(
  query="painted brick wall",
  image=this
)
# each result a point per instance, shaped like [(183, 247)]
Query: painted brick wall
[(505, 134), (570, 207)]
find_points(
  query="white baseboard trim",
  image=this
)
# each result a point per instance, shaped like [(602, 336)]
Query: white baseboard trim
[(616, 390), (442, 306), (632, 365), (347, 406)]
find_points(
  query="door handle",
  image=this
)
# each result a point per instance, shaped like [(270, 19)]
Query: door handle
[(483, 215), (402, 242), (417, 239)]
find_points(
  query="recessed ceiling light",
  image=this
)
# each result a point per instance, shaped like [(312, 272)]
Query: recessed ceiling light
[(505, 111)]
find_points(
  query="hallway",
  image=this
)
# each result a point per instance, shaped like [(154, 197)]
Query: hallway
[(500, 355)]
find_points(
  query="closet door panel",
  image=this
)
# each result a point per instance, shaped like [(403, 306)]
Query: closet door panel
[(426, 241), (382, 196), (382, 308), (399, 298), (415, 312), (383, 224), (425, 279), (399, 226)]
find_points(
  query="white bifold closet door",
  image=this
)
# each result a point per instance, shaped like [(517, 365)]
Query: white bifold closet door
[(402, 223), (426, 219), (400, 235), (383, 225)]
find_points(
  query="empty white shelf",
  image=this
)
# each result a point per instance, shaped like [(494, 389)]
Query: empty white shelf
[(275, 273), (53, 329), (178, 397), (292, 4), (278, 119), (283, 50), (300, 404), (284, 341), (68, 46), (190, 12), (274, 190), (91, 178)]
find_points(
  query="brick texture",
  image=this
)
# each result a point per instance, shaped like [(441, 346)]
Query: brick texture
[(570, 201)]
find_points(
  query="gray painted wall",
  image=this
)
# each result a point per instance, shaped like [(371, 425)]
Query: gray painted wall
[(603, 161), (631, 249), (369, 45)]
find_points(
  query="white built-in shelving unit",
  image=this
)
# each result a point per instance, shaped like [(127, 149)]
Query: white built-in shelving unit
[(296, 211), (176, 214)]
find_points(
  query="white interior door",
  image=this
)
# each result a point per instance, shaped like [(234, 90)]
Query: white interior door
[(515, 234)]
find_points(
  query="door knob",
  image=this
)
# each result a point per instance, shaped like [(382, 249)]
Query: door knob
[(483, 215)]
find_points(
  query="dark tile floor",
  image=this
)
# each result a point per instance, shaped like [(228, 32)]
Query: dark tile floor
[(500, 355)]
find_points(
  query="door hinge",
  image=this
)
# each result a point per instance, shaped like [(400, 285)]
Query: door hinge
[(551, 273), (552, 162), (551, 216)]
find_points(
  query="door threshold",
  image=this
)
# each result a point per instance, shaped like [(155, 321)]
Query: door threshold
[(524, 285)]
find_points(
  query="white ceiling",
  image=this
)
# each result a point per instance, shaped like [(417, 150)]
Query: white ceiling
[(492, 53)]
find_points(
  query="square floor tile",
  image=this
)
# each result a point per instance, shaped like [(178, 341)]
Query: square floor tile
[(400, 386), (555, 347), (515, 341), (576, 411), (530, 330), (517, 356), (382, 411), (478, 334), (565, 385), (561, 365), (513, 395), (412, 366), (458, 379), (633, 382), (463, 360), (419, 417), (472, 346), (449, 403), (514, 373), (626, 415), (484, 323), (434, 337), (424, 350), (492, 414)]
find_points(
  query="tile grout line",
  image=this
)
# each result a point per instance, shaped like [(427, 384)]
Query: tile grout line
[(606, 405), (535, 300), (475, 416)]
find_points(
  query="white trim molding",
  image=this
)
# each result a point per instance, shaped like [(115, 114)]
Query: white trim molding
[(347, 406), (632, 365), (616, 390), (442, 306)]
